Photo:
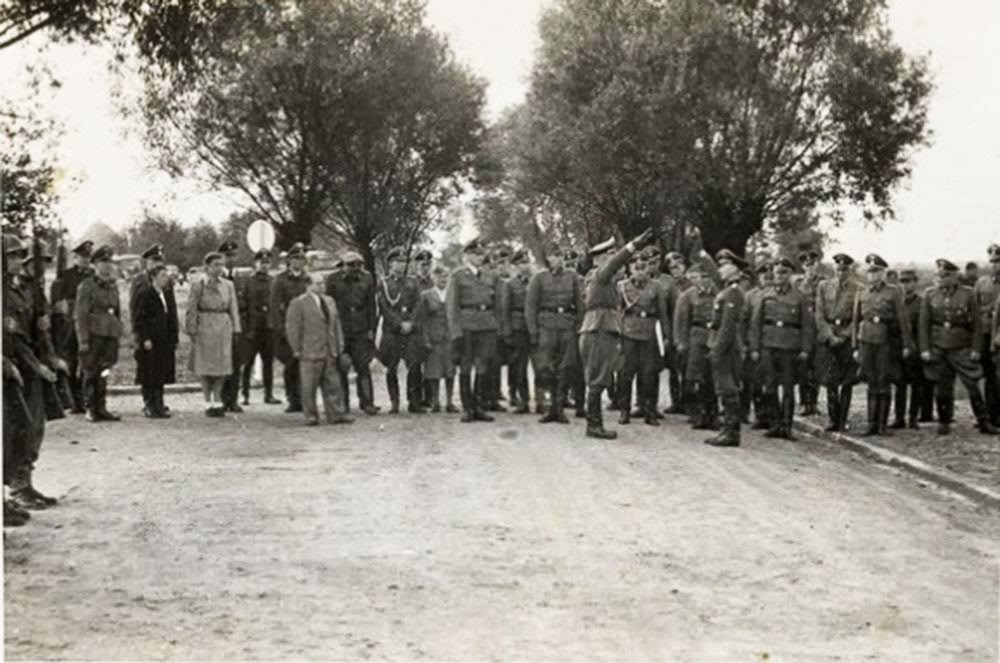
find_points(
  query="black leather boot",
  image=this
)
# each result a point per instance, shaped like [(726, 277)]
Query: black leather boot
[(983, 423), (555, 413), (102, 408), (788, 414), (480, 394), (832, 409), (392, 386), (465, 394), (846, 396), (873, 415), (944, 415), (595, 420)]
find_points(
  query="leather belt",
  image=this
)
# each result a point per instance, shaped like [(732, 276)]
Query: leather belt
[(480, 307), (879, 320), (781, 324), (840, 322), (638, 314), (560, 309), (948, 324)]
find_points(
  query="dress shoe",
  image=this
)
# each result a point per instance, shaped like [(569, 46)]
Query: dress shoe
[(601, 434), (312, 422), (271, 400), (451, 409), (554, 418), (293, 408), (479, 415), (234, 408), (342, 419)]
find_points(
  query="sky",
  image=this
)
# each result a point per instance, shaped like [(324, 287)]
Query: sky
[(949, 208)]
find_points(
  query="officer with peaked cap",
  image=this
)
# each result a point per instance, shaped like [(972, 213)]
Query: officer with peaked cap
[(398, 297), (835, 366), (753, 386), (254, 297), (601, 330), (809, 378), (987, 291), (725, 344), (781, 337), (553, 311), (353, 290), (63, 297), (499, 266), (911, 379), (514, 330), (473, 302), (424, 261), (98, 329), (878, 313), (951, 343), (691, 320), (288, 285), (644, 308)]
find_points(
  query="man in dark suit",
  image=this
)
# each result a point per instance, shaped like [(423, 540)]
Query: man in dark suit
[(154, 258), (63, 298)]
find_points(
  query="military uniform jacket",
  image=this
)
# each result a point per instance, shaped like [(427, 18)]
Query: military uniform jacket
[(987, 291), (879, 314), (643, 306), (781, 320), (254, 296), (66, 285), (601, 302), (996, 324), (554, 301), (694, 313), (835, 308), (98, 310), (398, 298), (473, 301), (726, 325), (809, 286), (513, 298), (950, 319), (286, 287), (355, 297), (20, 328)]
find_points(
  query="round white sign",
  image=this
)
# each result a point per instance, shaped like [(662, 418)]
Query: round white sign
[(260, 236)]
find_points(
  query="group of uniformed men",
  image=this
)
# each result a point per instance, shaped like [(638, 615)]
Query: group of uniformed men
[(736, 340)]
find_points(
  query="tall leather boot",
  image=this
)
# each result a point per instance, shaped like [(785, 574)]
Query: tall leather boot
[(676, 395), (24, 492), (980, 412), (90, 394), (79, 399), (465, 394), (884, 405), (944, 415), (392, 385), (846, 395), (650, 411), (102, 400), (916, 396), (555, 413), (480, 397), (624, 400), (788, 414), (267, 371), (772, 406), (873, 414), (832, 409), (415, 393), (595, 419), (732, 416)]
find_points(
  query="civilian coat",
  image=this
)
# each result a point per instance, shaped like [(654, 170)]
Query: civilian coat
[(158, 324)]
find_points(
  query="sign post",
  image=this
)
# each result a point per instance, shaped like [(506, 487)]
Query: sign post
[(260, 236)]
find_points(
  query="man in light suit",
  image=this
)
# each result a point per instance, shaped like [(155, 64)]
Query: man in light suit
[(312, 327)]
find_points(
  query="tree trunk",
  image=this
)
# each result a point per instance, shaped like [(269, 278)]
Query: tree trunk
[(727, 224)]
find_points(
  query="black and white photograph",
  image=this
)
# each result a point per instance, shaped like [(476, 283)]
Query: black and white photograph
[(469, 331)]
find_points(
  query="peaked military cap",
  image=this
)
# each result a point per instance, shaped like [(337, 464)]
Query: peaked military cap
[(875, 261), (423, 255), (212, 256), (520, 257), (473, 246), (729, 273), (263, 254), (764, 265), (945, 265), (726, 254), (994, 252), (84, 248), (570, 253), (228, 246), (809, 254), (155, 252), (296, 250), (674, 256), (907, 275), (501, 251), (603, 247), (396, 253), (843, 259), (784, 261), (102, 254)]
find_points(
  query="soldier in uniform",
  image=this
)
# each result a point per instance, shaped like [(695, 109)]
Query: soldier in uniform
[(951, 344), (601, 330), (694, 312), (781, 333), (987, 290), (288, 285), (725, 347), (553, 310), (153, 257), (809, 379), (835, 365), (753, 385), (254, 296), (514, 330), (911, 378), (27, 323), (353, 289), (63, 297), (878, 311), (398, 297), (675, 283), (424, 261), (578, 387), (98, 328), (497, 263), (644, 305), (473, 302)]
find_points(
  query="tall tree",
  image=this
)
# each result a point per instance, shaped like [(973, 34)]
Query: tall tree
[(727, 114), (350, 114)]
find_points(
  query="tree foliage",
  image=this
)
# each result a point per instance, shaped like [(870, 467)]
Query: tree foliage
[(730, 114), (352, 115)]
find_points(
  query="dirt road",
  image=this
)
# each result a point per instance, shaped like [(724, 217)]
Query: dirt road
[(419, 538)]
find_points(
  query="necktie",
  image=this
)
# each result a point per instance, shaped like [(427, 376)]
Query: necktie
[(324, 308)]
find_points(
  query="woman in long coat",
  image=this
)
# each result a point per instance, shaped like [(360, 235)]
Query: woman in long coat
[(155, 326), (211, 319)]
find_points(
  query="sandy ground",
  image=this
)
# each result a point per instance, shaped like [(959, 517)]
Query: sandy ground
[(420, 538)]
